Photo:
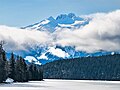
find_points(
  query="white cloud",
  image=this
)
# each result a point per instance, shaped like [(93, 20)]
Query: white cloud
[(102, 33), (19, 39)]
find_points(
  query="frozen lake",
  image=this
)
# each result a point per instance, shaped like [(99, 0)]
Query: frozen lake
[(63, 85)]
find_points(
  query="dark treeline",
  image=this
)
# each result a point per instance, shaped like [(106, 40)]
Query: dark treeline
[(86, 68), (17, 69)]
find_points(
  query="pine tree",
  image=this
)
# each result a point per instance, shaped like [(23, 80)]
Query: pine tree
[(2, 64), (17, 70), (31, 70), (12, 67), (35, 73), (24, 69), (40, 74), (5, 64), (21, 70), (7, 68)]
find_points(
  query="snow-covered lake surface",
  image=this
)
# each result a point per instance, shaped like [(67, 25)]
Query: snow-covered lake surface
[(63, 85)]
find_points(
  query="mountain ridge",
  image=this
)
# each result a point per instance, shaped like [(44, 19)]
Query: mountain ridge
[(50, 24)]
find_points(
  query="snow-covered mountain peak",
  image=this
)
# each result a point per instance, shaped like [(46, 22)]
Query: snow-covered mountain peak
[(71, 15), (65, 19), (61, 21), (63, 16), (51, 18)]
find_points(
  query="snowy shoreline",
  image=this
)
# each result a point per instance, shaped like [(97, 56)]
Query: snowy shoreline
[(55, 84)]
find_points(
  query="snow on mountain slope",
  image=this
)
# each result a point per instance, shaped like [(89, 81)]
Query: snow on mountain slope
[(62, 21), (58, 52), (31, 59)]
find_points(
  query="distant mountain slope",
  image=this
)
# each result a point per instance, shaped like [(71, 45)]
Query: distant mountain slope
[(86, 68), (62, 21), (47, 54), (56, 53)]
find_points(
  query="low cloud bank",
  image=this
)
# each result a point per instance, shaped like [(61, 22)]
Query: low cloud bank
[(102, 33), (20, 39)]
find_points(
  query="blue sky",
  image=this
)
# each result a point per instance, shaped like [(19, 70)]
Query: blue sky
[(24, 12)]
